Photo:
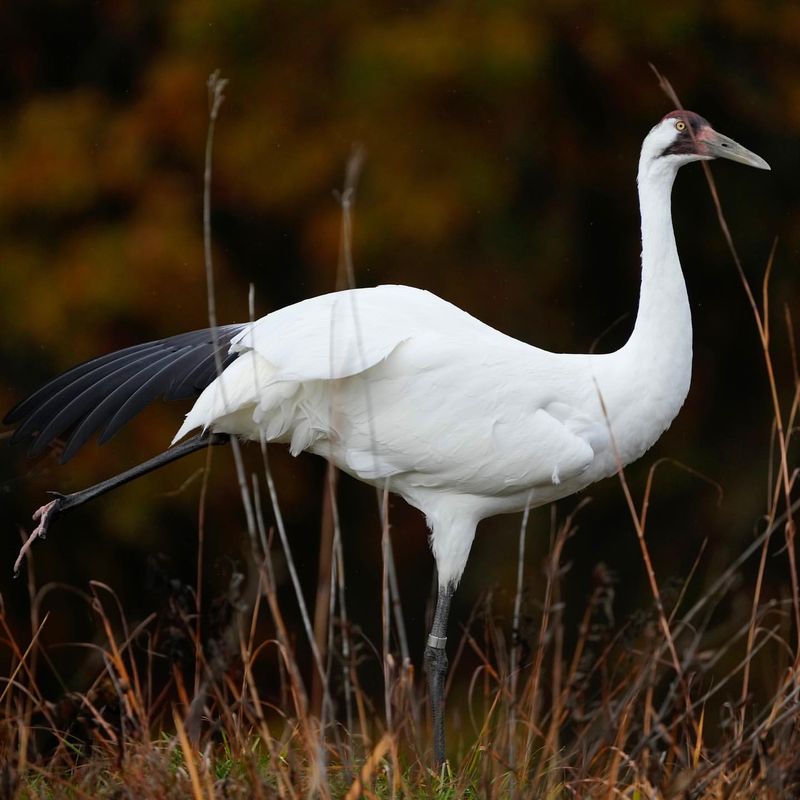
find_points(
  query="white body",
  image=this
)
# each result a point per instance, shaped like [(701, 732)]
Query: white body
[(395, 384)]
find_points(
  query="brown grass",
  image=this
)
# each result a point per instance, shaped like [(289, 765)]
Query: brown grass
[(609, 717)]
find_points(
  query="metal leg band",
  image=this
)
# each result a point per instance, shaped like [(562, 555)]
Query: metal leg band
[(437, 642)]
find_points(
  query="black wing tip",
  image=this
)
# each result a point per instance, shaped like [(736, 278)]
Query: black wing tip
[(29, 429), (14, 415)]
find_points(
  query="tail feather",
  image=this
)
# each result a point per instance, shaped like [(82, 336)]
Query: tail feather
[(232, 400)]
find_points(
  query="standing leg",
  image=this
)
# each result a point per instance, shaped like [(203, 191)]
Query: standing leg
[(436, 668)]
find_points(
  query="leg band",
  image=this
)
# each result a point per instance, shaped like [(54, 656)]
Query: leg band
[(437, 642)]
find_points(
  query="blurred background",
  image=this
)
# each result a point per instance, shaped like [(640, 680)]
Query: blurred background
[(502, 141)]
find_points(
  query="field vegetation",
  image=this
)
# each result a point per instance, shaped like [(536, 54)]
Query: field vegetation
[(203, 634)]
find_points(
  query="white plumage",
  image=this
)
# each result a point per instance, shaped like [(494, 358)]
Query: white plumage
[(402, 389), (395, 384)]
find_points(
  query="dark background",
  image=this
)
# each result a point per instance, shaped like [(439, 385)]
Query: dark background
[(502, 143)]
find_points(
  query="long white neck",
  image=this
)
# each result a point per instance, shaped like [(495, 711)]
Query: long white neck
[(656, 362), (663, 323)]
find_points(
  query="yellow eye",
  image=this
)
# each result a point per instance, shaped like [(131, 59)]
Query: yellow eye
[(681, 126)]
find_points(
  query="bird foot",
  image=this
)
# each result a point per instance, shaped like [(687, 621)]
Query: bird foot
[(43, 516)]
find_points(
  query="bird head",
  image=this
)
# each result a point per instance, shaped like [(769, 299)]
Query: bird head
[(683, 136)]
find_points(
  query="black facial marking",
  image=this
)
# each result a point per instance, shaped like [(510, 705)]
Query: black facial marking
[(682, 146), (684, 143)]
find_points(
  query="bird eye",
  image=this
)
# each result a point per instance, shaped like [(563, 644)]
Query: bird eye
[(681, 126)]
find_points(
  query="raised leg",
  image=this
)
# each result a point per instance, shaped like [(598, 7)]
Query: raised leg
[(436, 668), (44, 515)]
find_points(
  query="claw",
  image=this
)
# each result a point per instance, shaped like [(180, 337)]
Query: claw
[(43, 516)]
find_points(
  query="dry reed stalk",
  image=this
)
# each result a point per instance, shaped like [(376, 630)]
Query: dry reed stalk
[(530, 695), (21, 658), (201, 527), (297, 688), (325, 581), (387, 659), (188, 757), (761, 319), (651, 575), (287, 551), (345, 278), (128, 687), (358, 788), (516, 644)]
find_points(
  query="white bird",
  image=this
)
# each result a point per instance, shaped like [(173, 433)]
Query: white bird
[(398, 387)]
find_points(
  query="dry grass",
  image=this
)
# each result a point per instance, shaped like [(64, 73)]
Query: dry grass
[(609, 717), (656, 705)]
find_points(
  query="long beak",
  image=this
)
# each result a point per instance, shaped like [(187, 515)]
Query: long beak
[(720, 146)]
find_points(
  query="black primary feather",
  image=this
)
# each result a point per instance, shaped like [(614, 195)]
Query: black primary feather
[(109, 391)]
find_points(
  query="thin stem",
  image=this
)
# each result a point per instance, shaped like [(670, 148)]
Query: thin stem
[(386, 608), (201, 529), (216, 96), (651, 575), (287, 551), (761, 320), (516, 641)]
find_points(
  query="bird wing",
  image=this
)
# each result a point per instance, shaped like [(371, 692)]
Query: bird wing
[(282, 356), (108, 391), (557, 444), (394, 380), (344, 333)]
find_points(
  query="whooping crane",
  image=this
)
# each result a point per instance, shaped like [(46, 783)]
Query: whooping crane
[(393, 384)]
